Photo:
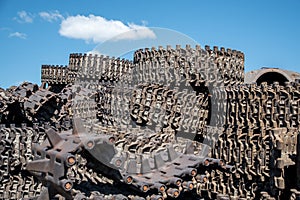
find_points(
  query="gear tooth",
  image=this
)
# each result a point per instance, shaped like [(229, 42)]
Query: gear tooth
[(145, 168), (216, 49), (229, 51), (38, 165), (172, 154), (234, 52), (205, 150), (53, 137), (207, 48), (78, 126), (189, 148), (158, 160), (132, 167)]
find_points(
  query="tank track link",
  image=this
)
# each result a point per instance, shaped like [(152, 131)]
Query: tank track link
[(171, 172)]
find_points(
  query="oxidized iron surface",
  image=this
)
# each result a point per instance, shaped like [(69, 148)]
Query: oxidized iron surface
[(173, 123)]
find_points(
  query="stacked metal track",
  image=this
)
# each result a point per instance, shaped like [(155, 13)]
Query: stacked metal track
[(16, 151), (261, 138), (174, 123)]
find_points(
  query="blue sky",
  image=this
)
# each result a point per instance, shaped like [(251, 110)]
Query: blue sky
[(34, 32)]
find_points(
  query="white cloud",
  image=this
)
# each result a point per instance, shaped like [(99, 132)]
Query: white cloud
[(94, 52), (18, 35), (98, 29), (51, 16), (24, 17)]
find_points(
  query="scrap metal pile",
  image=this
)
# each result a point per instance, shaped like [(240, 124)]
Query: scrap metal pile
[(173, 123)]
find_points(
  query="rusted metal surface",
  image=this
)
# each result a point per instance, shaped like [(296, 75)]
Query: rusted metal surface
[(173, 123)]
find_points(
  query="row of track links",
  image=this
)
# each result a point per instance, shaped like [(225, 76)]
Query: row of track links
[(16, 147), (260, 138)]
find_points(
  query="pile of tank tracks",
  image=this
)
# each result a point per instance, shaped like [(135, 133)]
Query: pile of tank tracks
[(173, 123)]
